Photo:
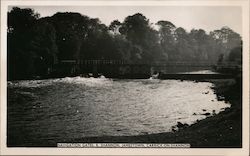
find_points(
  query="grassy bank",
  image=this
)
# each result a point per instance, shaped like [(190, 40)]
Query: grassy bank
[(221, 130)]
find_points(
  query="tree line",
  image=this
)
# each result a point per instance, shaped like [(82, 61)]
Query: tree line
[(36, 44)]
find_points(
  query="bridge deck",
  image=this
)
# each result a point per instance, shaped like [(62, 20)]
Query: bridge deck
[(122, 69), (196, 76), (174, 76)]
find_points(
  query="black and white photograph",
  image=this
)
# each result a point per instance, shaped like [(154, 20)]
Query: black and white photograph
[(125, 76)]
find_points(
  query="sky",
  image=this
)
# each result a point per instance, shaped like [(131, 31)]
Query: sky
[(208, 18)]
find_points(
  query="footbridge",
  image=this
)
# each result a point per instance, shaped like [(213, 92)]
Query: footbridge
[(165, 70)]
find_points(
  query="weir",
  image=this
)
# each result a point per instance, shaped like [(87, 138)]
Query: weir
[(139, 70)]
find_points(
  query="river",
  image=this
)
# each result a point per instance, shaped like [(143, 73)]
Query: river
[(69, 108)]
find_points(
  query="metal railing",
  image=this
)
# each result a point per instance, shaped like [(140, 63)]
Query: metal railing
[(159, 63)]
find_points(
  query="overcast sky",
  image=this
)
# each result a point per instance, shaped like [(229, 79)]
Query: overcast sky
[(208, 18)]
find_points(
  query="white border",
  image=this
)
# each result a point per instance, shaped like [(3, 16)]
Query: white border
[(244, 4)]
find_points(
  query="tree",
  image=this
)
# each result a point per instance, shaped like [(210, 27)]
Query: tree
[(115, 26), (227, 39), (199, 40), (221, 58), (71, 31), (137, 30), (183, 47), (235, 55), (21, 20), (20, 58), (43, 45), (167, 40)]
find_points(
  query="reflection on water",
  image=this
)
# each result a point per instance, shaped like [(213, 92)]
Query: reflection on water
[(78, 107)]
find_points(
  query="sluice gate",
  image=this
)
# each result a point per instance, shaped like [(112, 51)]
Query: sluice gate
[(122, 69)]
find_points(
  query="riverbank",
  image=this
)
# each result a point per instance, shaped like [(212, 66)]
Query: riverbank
[(221, 130)]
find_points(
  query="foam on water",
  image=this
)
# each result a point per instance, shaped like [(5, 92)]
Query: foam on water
[(86, 81), (71, 80)]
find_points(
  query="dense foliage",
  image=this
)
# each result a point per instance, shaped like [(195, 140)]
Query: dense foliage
[(36, 44)]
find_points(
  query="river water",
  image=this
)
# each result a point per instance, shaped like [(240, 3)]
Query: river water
[(68, 108)]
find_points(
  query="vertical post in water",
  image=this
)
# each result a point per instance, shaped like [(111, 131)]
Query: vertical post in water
[(95, 71)]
